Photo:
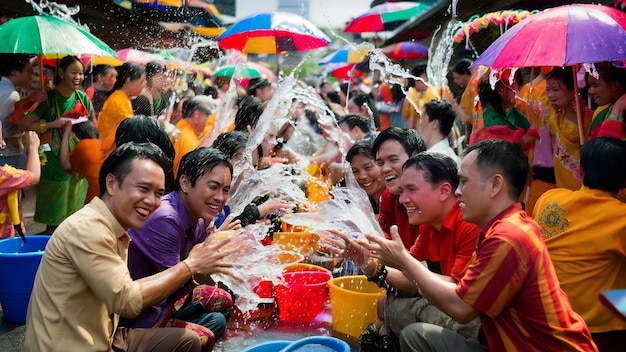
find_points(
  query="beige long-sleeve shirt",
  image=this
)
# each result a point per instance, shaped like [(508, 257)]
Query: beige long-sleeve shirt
[(83, 285)]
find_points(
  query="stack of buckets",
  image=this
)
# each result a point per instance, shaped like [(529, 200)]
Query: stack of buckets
[(305, 293), (19, 262)]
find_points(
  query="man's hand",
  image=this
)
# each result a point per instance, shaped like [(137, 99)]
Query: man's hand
[(391, 252), (346, 247), (210, 257)]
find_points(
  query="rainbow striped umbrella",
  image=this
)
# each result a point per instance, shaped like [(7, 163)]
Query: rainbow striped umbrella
[(405, 51), (272, 33), (349, 55)]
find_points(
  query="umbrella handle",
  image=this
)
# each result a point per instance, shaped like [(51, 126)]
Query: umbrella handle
[(579, 118)]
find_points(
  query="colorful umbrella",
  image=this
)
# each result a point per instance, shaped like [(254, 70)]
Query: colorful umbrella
[(347, 71), (405, 51), (378, 16), (49, 35), (561, 36), (272, 33), (349, 55), (264, 70), (244, 71)]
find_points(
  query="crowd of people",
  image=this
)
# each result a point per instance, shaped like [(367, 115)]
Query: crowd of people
[(501, 225)]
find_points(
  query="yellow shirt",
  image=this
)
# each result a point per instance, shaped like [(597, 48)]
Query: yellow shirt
[(187, 141), (585, 233), (419, 98), (83, 285), (116, 109)]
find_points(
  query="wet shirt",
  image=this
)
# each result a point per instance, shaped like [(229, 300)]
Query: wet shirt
[(585, 231), (511, 281), (450, 248), (82, 285), (165, 240), (116, 109)]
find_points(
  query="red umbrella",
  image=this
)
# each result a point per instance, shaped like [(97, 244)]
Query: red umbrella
[(379, 16), (405, 50), (347, 71)]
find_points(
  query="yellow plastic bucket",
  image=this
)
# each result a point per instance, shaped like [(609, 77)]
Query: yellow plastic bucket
[(353, 302)]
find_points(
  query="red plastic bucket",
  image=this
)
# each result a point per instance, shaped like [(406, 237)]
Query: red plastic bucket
[(304, 296)]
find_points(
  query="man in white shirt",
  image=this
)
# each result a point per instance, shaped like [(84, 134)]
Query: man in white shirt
[(434, 127)]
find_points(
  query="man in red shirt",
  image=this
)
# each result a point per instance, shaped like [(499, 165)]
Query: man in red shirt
[(510, 282), (445, 244), (392, 147)]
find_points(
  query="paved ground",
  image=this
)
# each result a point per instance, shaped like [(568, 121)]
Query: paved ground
[(11, 334)]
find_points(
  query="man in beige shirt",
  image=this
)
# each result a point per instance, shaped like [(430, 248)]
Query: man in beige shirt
[(83, 284)]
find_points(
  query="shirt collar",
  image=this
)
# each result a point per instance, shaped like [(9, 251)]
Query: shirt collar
[(514, 208), (103, 209)]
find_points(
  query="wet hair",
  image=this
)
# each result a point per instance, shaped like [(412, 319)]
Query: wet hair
[(504, 157), (100, 70), (210, 91), (142, 129), (418, 70), (611, 73), (356, 120), (437, 168), (344, 88), (257, 83), (603, 162), (490, 96), (333, 97), (119, 162), (155, 67), (13, 62), (229, 143), (443, 112), (64, 63), (564, 75), (248, 113), (361, 98), (462, 67), (362, 147), (221, 80), (128, 71), (85, 130), (199, 102), (199, 161), (411, 141)]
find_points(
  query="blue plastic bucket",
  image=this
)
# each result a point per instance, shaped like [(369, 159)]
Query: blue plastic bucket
[(271, 346), (18, 265), (318, 343)]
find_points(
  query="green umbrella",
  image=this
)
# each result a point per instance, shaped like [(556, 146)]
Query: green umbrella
[(244, 71), (49, 35)]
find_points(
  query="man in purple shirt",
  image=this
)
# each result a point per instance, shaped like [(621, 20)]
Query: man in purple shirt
[(200, 193)]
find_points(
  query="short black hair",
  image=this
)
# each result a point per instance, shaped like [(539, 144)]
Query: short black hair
[(155, 67), (504, 157), (443, 112), (257, 83), (128, 71), (119, 162), (437, 168), (231, 142), (362, 147), (356, 120), (13, 62), (603, 163), (249, 111), (203, 103), (143, 129), (462, 67), (199, 161), (410, 140)]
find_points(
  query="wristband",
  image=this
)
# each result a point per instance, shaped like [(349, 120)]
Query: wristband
[(193, 279), (42, 126)]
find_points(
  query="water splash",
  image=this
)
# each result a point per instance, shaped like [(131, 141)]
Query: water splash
[(441, 53)]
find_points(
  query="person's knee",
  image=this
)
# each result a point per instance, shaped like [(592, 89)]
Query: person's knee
[(190, 341)]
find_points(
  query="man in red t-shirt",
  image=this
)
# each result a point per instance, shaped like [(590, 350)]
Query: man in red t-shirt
[(445, 244), (510, 281), (392, 147)]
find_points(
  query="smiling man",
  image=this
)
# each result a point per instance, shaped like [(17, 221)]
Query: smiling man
[(509, 282), (181, 222), (83, 285), (392, 147)]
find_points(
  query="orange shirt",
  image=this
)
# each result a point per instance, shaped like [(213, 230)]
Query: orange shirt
[(187, 141), (86, 159), (116, 109)]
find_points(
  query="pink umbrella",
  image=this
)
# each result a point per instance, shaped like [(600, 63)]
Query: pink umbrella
[(405, 51), (138, 56)]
